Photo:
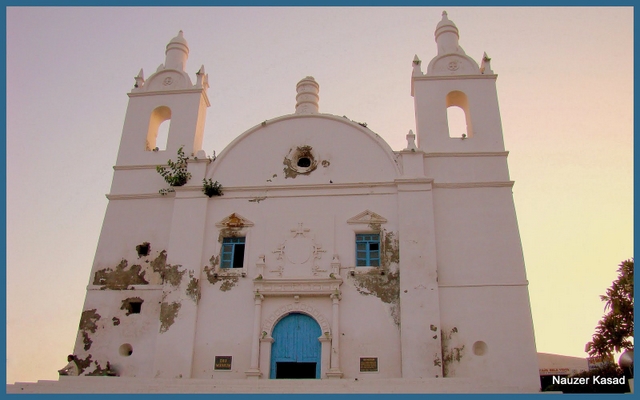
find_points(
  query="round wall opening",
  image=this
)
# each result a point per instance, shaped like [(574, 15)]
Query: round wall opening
[(479, 348), (304, 162), (126, 350)]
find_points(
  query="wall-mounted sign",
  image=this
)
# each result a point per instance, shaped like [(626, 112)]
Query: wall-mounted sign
[(554, 371), (598, 362), (222, 363), (368, 364)]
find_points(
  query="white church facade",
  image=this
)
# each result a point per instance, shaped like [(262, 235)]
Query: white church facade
[(327, 255)]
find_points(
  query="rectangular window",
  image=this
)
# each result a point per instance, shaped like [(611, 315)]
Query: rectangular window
[(368, 250), (232, 254)]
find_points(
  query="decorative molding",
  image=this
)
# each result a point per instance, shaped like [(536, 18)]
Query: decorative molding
[(462, 285), (229, 191), (253, 373), (470, 154), (270, 322), (298, 251), (130, 287), (367, 217), (452, 77), (200, 90), (414, 184), (334, 374), (278, 270), (471, 185), (138, 196), (134, 167), (413, 180), (297, 286), (251, 192), (317, 186), (234, 221)]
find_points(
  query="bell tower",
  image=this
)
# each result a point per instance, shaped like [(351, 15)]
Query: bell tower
[(454, 79), (481, 277), (168, 96)]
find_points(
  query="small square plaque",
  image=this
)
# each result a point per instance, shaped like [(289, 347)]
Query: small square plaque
[(222, 363), (368, 364)]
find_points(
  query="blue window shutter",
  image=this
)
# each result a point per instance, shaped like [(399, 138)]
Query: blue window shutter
[(232, 253), (368, 250)]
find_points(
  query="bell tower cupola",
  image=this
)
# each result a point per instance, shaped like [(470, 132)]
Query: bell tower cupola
[(456, 102), (177, 53), (447, 36), (166, 111)]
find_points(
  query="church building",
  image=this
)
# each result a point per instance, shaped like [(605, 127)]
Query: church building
[(308, 248)]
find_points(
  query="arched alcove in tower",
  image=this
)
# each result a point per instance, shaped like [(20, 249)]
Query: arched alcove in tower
[(458, 117), (158, 133)]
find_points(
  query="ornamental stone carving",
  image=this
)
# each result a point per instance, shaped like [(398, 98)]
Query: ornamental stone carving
[(298, 255), (293, 287)]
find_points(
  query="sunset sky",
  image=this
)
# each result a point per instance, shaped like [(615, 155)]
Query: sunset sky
[(565, 86)]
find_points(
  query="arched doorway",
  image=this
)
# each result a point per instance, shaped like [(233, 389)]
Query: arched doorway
[(295, 353)]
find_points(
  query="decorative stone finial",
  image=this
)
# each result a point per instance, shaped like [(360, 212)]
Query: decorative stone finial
[(202, 78), (485, 65), (307, 97), (447, 36), (139, 79), (177, 53), (411, 141), (417, 71)]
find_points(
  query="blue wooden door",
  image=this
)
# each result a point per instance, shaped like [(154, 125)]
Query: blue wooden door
[(295, 340)]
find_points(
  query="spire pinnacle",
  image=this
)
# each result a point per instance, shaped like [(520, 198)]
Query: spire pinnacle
[(447, 36), (177, 53), (485, 66), (202, 78), (139, 79), (411, 141), (416, 66), (451, 58)]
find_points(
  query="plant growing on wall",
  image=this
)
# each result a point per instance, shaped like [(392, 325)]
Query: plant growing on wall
[(211, 188), (175, 172)]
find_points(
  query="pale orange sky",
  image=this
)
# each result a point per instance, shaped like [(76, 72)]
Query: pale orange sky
[(565, 87)]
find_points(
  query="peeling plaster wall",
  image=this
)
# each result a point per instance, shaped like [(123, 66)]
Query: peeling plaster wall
[(119, 273), (102, 332)]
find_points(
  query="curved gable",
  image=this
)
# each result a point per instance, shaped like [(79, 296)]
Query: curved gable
[(305, 149)]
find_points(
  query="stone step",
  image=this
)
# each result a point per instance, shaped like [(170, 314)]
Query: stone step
[(150, 385)]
